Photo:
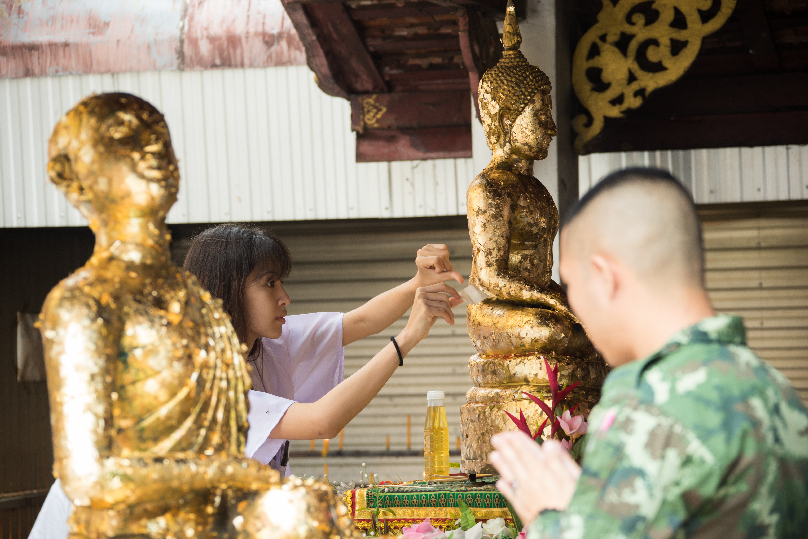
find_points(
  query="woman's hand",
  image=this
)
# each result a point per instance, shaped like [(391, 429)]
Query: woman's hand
[(431, 302), (378, 313), (434, 266)]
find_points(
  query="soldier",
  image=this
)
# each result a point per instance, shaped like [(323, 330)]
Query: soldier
[(694, 436)]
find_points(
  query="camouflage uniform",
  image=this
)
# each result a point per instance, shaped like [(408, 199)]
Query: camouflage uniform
[(701, 439)]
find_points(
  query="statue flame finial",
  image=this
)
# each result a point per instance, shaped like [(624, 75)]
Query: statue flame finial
[(511, 37)]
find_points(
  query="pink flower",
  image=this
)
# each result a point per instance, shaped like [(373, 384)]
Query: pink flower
[(573, 426), (424, 530), (522, 535), (566, 444)]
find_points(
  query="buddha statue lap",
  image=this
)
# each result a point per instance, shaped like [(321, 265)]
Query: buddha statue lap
[(512, 224), (146, 378)]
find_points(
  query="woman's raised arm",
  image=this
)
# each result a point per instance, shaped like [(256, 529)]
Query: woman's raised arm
[(326, 417), (377, 314)]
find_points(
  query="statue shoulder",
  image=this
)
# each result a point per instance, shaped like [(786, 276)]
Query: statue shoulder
[(496, 180), (79, 292), (492, 188), (198, 293), (88, 295)]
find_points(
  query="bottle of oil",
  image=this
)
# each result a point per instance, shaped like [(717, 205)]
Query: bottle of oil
[(436, 437)]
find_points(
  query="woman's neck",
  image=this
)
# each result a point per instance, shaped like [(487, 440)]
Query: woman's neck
[(256, 345)]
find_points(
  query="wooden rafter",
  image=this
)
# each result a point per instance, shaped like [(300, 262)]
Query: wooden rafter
[(315, 55), (334, 50), (757, 36)]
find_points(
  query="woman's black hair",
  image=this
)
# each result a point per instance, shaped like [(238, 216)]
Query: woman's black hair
[(223, 257)]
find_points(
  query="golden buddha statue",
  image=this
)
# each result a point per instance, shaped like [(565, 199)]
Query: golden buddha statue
[(512, 223), (146, 377)]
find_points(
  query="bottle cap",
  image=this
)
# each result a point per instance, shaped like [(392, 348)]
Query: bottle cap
[(434, 395)]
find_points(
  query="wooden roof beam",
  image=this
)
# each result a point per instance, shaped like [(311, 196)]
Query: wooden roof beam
[(757, 35), (692, 132), (334, 50), (492, 7), (315, 55)]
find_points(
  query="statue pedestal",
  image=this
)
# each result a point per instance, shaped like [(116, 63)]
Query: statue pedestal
[(501, 383)]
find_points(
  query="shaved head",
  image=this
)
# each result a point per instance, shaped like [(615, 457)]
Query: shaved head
[(632, 260), (645, 218)]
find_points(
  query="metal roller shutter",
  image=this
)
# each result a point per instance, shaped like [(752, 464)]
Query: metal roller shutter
[(337, 270), (757, 267)]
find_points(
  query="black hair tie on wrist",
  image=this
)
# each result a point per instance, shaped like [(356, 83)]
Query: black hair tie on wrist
[(400, 357)]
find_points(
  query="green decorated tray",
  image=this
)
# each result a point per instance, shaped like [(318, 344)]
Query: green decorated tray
[(403, 504)]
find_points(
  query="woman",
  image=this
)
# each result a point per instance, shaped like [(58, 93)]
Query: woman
[(297, 361)]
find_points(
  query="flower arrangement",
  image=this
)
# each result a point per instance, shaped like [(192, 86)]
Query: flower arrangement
[(573, 427), (468, 528)]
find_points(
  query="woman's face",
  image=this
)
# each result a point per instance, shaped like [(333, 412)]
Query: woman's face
[(265, 303)]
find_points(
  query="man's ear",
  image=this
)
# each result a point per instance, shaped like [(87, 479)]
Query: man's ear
[(606, 277)]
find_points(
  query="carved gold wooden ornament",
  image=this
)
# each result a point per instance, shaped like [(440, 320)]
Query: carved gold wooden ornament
[(372, 111), (636, 47)]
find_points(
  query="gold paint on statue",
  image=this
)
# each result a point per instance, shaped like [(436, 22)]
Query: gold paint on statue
[(146, 378), (512, 224), (665, 38), (508, 371)]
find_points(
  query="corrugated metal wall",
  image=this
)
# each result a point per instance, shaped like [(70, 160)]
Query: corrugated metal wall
[(718, 175), (253, 144), (268, 145), (757, 266)]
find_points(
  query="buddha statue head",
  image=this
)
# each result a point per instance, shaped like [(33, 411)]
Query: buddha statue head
[(515, 103), (111, 155)]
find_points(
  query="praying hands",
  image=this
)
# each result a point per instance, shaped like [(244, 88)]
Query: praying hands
[(533, 477)]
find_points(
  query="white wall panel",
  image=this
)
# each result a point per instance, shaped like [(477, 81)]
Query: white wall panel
[(268, 145), (724, 175), (253, 144)]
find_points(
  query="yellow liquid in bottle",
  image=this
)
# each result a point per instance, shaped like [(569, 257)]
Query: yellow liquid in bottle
[(436, 442)]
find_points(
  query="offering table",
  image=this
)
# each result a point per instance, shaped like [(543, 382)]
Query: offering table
[(399, 505)]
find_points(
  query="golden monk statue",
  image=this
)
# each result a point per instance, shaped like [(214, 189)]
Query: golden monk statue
[(512, 223), (147, 382)]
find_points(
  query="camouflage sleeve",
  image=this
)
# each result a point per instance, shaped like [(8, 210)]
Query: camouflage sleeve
[(641, 472)]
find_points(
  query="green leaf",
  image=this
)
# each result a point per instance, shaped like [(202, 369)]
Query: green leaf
[(450, 535), (467, 519), (578, 448)]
